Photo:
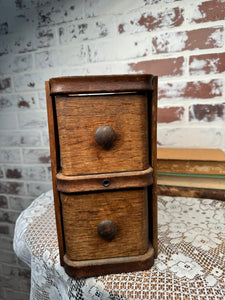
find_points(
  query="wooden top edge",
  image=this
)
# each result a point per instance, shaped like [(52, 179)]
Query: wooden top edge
[(190, 154), (101, 84), (60, 176)]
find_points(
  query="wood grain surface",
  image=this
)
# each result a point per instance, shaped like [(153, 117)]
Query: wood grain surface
[(101, 84), (152, 190), (55, 166), (106, 266), (83, 212), (82, 183), (176, 191), (80, 164), (80, 117)]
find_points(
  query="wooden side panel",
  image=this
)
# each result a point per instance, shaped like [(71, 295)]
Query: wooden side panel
[(83, 212), (78, 120), (153, 159), (54, 149)]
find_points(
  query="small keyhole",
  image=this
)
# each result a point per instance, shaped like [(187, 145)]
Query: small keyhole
[(106, 182)]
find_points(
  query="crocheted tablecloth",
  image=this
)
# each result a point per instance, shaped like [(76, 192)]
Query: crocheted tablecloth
[(190, 264)]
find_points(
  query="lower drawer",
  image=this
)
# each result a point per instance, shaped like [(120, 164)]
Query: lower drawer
[(84, 224)]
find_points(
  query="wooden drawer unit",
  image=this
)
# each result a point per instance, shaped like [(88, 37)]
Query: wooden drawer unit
[(80, 117), (102, 133)]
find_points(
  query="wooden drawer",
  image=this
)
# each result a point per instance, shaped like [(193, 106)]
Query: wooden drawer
[(78, 119), (103, 150), (82, 213)]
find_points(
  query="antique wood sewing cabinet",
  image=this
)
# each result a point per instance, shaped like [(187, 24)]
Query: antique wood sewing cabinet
[(102, 133)]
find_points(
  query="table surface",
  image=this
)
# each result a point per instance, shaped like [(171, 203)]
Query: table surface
[(190, 264)]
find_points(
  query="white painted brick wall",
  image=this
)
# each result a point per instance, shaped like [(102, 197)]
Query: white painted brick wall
[(181, 41)]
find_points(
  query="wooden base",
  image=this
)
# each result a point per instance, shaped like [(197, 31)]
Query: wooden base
[(99, 267)]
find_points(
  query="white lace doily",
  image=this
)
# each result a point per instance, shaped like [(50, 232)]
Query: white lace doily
[(190, 265)]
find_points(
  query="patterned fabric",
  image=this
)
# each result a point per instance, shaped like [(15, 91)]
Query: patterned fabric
[(190, 265)]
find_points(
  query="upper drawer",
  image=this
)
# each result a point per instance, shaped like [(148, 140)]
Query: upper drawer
[(123, 148)]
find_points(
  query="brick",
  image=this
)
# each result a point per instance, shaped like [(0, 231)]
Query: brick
[(42, 100), (45, 136), (1, 172), (19, 63), (22, 63), (20, 139), (6, 102), (204, 38), (18, 102), (26, 101), (4, 45), (4, 28), (3, 201), (10, 156), (21, 43), (161, 67), (15, 283), (28, 81), (41, 156), (5, 85), (8, 216), (36, 189), (64, 11), (61, 57), (32, 120), (24, 4), (13, 172), (207, 112), (31, 81), (207, 11), (16, 295), (4, 229), (189, 137), (162, 1), (207, 64), (45, 38), (6, 243), (9, 187), (8, 121), (151, 20), (19, 280), (49, 173), (105, 7), (170, 114), (106, 68), (17, 16), (88, 30), (2, 294), (25, 172), (193, 89), (136, 46), (16, 271), (7, 257), (19, 203)]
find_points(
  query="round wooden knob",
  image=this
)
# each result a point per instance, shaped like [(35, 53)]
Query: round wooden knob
[(107, 229), (105, 136)]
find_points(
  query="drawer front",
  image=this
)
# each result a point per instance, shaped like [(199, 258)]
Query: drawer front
[(105, 224), (81, 148)]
